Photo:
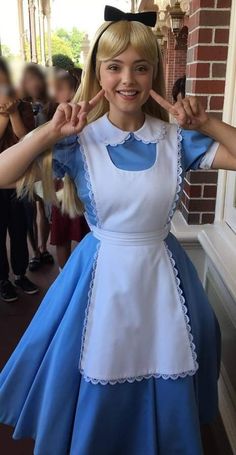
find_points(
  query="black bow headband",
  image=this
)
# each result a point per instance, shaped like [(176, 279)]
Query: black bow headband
[(112, 14)]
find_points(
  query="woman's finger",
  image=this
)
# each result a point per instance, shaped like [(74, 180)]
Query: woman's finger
[(180, 113), (195, 105), (95, 100), (82, 120), (66, 109), (74, 115), (84, 107), (187, 107), (163, 103)]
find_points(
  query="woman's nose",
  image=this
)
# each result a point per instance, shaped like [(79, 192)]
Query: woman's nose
[(127, 77)]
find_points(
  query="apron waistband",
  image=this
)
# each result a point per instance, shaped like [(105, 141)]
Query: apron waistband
[(130, 238)]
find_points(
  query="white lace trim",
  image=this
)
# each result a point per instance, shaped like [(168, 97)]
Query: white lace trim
[(185, 311), (139, 378), (179, 177), (89, 185), (88, 305), (152, 374), (160, 136)]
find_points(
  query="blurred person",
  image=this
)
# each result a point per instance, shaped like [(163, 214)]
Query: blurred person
[(34, 89), (16, 120), (64, 229)]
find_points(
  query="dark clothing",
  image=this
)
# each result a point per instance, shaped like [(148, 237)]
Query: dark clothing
[(12, 214), (64, 228), (13, 220), (9, 138)]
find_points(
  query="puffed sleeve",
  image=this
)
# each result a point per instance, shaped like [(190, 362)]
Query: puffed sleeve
[(64, 157), (198, 150)]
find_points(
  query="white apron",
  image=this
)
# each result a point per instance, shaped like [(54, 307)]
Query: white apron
[(136, 323)]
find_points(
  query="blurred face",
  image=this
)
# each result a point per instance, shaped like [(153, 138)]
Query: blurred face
[(62, 92), (127, 80), (33, 86), (5, 88)]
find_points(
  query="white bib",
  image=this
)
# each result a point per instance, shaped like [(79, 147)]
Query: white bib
[(136, 323)]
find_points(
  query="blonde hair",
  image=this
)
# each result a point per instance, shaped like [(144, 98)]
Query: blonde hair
[(114, 38)]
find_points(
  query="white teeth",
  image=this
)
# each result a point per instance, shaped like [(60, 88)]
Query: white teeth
[(127, 93)]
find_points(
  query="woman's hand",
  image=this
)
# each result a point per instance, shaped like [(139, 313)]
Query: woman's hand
[(71, 118), (189, 113), (9, 107)]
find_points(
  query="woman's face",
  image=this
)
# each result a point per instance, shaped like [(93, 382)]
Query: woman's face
[(5, 87), (33, 86), (127, 80), (62, 92)]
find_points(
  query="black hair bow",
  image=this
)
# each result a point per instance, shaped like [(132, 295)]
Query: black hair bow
[(114, 14)]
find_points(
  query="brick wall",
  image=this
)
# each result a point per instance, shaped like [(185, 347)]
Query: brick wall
[(206, 67), (175, 63)]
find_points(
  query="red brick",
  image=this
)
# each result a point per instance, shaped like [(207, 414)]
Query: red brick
[(200, 35), (221, 36), (203, 100), (208, 218), (208, 18), (216, 103), (189, 86), (196, 4), (214, 18), (194, 20), (209, 191), (191, 218), (193, 190), (201, 205), (223, 3), (211, 53), (202, 176), (198, 70), (191, 55), (218, 69), (208, 86)]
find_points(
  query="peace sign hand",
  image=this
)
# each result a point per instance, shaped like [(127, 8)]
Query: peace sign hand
[(189, 113), (71, 118)]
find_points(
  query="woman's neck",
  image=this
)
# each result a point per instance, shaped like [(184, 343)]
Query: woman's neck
[(127, 121)]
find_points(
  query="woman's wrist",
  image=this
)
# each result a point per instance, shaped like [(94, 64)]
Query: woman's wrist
[(54, 134), (209, 126)]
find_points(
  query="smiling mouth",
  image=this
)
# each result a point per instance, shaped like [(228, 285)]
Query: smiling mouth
[(128, 94)]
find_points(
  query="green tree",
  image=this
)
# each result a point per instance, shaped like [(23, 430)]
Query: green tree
[(74, 39), (61, 46), (62, 61), (6, 51)]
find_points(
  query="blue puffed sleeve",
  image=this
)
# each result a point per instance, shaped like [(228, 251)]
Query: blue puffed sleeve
[(64, 157), (194, 147)]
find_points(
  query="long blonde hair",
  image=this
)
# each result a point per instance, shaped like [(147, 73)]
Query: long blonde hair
[(114, 38)]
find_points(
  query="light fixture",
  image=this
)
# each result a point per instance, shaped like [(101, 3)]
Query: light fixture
[(159, 35), (176, 18)]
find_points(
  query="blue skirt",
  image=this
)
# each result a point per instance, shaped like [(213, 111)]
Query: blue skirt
[(43, 395)]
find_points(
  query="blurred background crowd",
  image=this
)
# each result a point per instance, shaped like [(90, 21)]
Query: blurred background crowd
[(32, 222)]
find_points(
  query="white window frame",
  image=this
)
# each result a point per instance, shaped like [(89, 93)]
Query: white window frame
[(226, 193)]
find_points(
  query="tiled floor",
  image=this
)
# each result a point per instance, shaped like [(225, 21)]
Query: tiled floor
[(14, 318)]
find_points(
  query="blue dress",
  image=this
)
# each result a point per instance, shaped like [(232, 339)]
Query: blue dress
[(42, 393)]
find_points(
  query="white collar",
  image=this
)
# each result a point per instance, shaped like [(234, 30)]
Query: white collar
[(151, 131)]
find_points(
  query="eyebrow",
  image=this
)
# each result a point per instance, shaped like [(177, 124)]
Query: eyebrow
[(120, 61)]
